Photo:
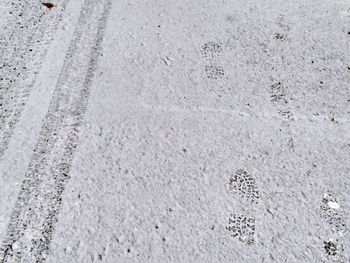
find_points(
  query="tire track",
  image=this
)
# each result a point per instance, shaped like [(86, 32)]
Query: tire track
[(35, 214), (24, 45)]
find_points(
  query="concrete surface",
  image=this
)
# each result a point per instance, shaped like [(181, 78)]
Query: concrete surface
[(175, 131)]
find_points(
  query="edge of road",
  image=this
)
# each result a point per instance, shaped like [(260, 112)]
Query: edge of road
[(17, 157)]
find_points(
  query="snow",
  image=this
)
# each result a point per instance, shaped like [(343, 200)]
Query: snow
[(174, 131)]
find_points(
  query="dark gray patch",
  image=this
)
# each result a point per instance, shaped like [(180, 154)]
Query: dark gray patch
[(211, 49), (279, 36), (277, 93), (285, 113), (214, 72), (230, 18), (244, 185), (330, 248), (334, 250), (242, 228)]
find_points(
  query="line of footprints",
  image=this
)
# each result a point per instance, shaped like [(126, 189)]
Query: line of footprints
[(242, 184), (242, 227)]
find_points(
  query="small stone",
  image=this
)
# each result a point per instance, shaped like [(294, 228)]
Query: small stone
[(48, 5)]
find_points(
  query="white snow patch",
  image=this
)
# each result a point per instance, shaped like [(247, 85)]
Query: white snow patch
[(333, 205)]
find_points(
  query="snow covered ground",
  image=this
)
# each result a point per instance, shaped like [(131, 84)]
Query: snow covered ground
[(175, 131)]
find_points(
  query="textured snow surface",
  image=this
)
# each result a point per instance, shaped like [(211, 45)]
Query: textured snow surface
[(175, 131)]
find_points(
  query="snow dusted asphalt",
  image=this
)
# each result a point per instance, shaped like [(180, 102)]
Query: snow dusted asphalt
[(175, 131)]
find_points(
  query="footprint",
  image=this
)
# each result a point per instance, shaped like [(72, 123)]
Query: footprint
[(277, 93), (280, 36), (333, 214), (286, 114), (279, 97), (284, 25), (240, 225), (211, 49), (334, 250), (214, 72), (243, 185), (242, 228), (283, 28)]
